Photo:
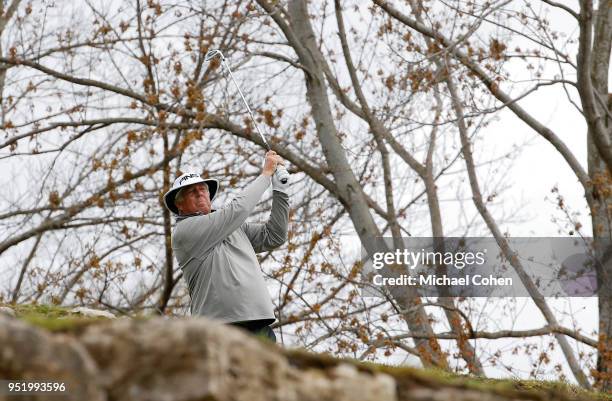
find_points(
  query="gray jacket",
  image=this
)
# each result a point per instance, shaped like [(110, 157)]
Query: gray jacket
[(216, 252)]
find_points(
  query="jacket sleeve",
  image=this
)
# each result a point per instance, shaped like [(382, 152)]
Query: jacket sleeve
[(273, 233), (197, 235)]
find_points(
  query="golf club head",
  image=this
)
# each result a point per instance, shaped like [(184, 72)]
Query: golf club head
[(212, 54)]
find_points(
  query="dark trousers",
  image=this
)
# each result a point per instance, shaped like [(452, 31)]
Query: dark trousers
[(258, 327)]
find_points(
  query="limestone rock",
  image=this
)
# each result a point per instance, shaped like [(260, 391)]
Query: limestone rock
[(29, 353), (92, 312), (193, 359), (160, 359), (345, 383), (5, 310)]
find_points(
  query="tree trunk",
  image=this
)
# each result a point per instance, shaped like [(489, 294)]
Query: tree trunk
[(350, 192), (601, 181)]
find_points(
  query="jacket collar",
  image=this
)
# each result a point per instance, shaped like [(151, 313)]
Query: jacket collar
[(182, 217)]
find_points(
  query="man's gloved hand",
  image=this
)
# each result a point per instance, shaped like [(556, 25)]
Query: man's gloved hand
[(277, 185)]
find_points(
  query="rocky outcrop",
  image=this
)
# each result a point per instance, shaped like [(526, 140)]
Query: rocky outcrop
[(178, 359), (32, 354), (5, 310), (81, 310), (198, 359)]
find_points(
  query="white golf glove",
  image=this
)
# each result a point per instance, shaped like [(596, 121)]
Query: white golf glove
[(277, 185)]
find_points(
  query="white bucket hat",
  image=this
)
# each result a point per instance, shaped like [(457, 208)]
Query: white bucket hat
[(186, 180)]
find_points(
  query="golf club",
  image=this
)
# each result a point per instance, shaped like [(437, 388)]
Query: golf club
[(281, 171)]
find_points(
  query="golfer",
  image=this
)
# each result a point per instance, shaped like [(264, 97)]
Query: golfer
[(216, 248)]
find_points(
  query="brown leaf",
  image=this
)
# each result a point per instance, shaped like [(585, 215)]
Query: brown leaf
[(496, 49)]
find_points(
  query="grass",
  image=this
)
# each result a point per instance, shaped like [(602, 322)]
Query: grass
[(54, 318)]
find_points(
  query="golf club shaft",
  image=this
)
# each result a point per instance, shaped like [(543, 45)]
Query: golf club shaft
[(281, 171), (263, 138)]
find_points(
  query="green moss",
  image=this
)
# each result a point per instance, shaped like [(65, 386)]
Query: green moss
[(54, 318), (50, 311), (67, 324), (526, 389), (409, 377), (303, 359)]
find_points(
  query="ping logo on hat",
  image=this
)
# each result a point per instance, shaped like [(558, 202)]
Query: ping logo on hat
[(188, 176)]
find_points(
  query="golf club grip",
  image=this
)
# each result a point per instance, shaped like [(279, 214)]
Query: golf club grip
[(282, 174)]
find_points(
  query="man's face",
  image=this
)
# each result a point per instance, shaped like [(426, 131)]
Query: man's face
[(196, 199)]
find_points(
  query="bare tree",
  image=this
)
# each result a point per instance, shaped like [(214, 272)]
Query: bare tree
[(591, 69), (101, 107)]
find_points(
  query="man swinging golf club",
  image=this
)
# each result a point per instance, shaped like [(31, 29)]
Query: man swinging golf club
[(216, 248)]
